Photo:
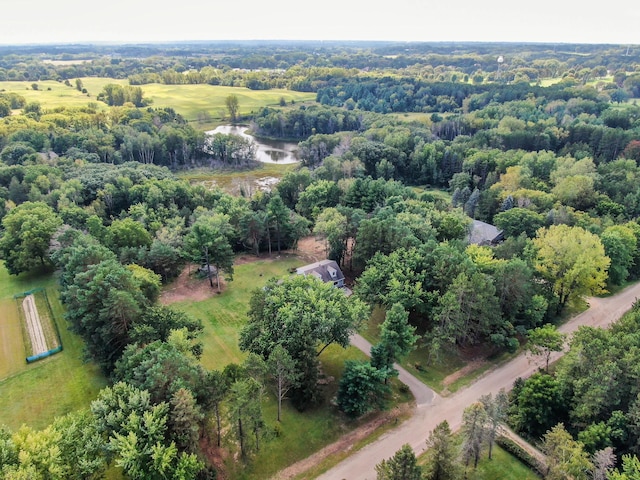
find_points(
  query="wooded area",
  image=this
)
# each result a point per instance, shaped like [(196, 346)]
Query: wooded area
[(402, 152)]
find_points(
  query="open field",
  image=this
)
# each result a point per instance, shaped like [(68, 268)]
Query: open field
[(202, 104), (53, 386), (232, 181)]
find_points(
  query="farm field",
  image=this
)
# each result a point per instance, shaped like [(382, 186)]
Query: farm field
[(196, 103), (34, 394)]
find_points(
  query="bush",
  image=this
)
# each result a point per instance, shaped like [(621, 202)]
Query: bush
[(520, 453)]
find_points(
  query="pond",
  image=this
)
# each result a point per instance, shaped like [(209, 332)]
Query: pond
[(267, 151)]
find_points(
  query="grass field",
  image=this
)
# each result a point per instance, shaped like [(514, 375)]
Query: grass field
[(35, 394), (231, 181), (204, 103)]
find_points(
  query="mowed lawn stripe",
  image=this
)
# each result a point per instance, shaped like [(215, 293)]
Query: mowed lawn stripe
[(12, 354)]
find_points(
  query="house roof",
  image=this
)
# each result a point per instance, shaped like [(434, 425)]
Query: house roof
[(325, 270), (484, 233)]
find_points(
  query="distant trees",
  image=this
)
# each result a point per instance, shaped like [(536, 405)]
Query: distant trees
[(116, 95), (233, 106)]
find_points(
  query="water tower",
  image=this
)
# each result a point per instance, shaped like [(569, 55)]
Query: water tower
[(500, 62)]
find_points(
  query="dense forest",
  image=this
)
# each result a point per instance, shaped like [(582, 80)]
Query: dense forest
[(403, 150)]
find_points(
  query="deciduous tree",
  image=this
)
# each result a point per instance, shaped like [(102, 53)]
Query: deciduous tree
[(27, 232), (543, 341), (572, 261)]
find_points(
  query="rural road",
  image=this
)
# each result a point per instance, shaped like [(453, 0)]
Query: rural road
[(431, 409)]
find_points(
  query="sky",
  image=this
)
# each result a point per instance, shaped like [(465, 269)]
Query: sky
[(130, 21)]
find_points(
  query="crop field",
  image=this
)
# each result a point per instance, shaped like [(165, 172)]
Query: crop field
[(204, 104)]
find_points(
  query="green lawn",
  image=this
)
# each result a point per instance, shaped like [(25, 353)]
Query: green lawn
[(503, 466), (35, 394)]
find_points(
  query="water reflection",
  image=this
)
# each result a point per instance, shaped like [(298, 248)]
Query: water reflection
[(267, 151)]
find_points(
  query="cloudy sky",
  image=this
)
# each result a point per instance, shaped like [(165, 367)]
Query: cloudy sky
[(562, 21)]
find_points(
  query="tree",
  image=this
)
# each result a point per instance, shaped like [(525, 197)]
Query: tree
[(603, 462), (402, 466), (27, 232), (515, 221), (158, 321), (630, 469), (361, 389), (397, 339), (496, 408), (468, 311), (233, 105), (332, 226), (213, 391), (103, 303), (280, 314), (135, 430), (245, 413), (442, 454), (543, 341), (538, 403), (161, 369), (283, 374), (208, 243), (572, 261), (82, 448), (620, 246), (184, 420), (396, 333), (566, 458), (277, 213), (473, 430)]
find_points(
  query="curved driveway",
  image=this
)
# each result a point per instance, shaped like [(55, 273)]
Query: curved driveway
[(431, 409)]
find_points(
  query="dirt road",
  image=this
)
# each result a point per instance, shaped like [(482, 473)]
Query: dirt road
[(432, 409)]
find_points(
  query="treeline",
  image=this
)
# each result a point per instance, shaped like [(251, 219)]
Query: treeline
[(123, 134), (306, 66), (590, 400), (116, 234), (411, 94)]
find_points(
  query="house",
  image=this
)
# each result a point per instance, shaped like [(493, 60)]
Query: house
[(325, 270), (482, 233)]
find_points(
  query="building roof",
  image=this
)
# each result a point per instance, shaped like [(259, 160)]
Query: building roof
[(325, 270), (484, 233)]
